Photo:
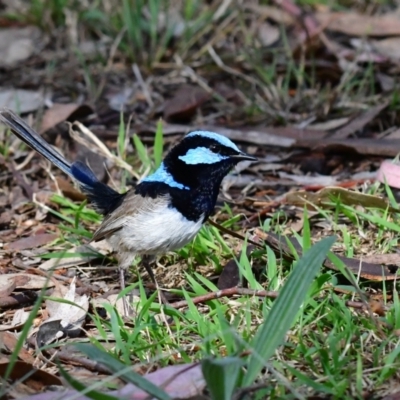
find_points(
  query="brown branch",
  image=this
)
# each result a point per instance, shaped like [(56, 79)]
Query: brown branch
[(70, 358), (235, 291)]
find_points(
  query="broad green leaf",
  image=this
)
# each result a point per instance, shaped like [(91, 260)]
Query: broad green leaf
[(115, 366), (272, 333), (221, 376)]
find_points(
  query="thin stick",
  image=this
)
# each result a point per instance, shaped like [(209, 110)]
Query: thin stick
[(235, 291)]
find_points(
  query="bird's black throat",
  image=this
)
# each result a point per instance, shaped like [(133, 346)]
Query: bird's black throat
[(200, 197)]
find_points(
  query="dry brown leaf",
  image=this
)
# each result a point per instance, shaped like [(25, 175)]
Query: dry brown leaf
[(370, 146), (359, 122), (274, 13), (25, 281), (23, 369), (32, 241), (68, 189), (117, 301), (18, 321), (355, 24), (326, 196), (8, 343), (267, 33), (62, 112), (367, 270), (306, 180), (21, 100), (388, 259), (389, 47), (65, 318), (84, 254), (18, 44), (7, 286), (183, 105), (329, 125)]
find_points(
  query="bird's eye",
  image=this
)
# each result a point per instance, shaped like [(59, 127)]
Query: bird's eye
[(214, 148)]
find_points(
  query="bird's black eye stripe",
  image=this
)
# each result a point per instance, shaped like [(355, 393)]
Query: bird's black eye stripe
[(222, 150)]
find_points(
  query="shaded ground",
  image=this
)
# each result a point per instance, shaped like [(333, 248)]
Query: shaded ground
[(309, 89)]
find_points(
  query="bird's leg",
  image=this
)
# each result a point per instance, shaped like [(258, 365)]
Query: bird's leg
[(122, 286), (147, 261), (124, 262)]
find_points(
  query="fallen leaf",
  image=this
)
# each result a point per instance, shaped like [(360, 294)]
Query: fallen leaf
[(8, 344), (355, 24), (324, 180), (274, 13), (387, 82), (392, 396), (389, 172), (73, 257), (21, 100), (32, 241), (22, 369), (326, 196), (377, 307), (367, 270), (359, 122), (20, 317), (63, 112), (179, 381), (18, 44), (329, 125), (25, 281), (230, 276), (65, 318), (18, 299), (184, 103), (389, 259), (268, 34), (117, 301), (68, 189), (376, 147), (119, 99), (389, 47), (183, 381), (7, 286)]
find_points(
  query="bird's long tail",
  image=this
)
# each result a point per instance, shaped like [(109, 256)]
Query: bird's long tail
[(104, 198)]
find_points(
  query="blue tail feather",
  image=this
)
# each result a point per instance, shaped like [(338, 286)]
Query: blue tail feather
[(104, 198), (83, 174)]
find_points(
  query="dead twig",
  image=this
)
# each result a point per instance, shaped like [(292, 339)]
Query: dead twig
[(236, 291)]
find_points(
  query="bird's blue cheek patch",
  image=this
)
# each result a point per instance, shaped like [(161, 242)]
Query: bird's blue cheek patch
[(163, 176), (202, 155)]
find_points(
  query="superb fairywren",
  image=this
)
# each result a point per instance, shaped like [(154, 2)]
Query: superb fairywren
[(165, 210)]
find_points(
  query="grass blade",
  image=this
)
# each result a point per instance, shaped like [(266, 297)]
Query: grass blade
[(285, 308), (158, 145), (116, 366)]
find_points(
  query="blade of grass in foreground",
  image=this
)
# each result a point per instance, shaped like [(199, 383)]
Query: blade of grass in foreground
[(128, 375), (285, 308)]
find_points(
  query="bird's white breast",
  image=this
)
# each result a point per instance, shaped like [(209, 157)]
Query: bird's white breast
[(154, 232)]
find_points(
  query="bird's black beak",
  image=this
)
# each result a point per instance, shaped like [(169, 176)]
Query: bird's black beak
[(243, 157)]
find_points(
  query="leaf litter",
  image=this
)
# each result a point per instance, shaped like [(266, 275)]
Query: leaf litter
[(302, 87)]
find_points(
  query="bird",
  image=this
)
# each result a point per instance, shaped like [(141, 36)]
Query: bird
[(165, 210)]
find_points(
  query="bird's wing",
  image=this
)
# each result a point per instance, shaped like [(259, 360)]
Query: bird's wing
[(131, 205)]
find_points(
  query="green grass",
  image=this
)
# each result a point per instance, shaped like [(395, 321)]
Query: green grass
[(330, 349), (308, 339), (306, 342)]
